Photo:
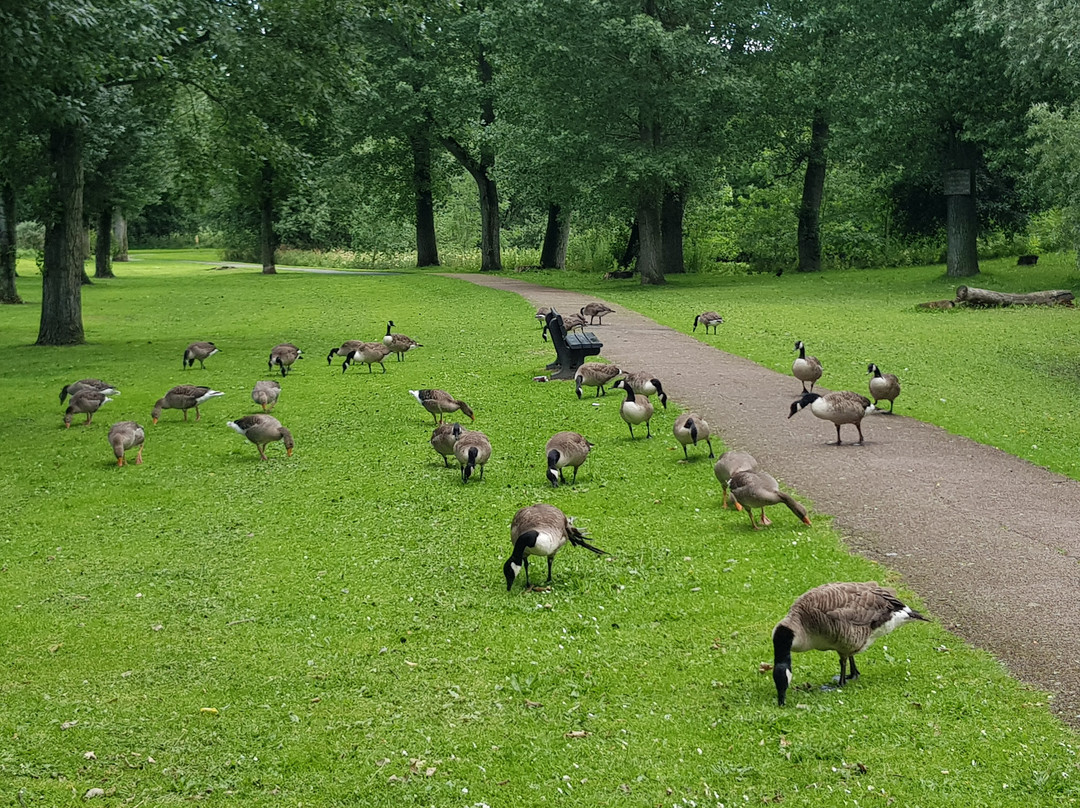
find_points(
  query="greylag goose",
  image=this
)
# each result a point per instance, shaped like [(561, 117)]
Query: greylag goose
[(756, 489), (87, 401), (440, 402), (265, 394), (126, 435), (262, 429), (183, 397)]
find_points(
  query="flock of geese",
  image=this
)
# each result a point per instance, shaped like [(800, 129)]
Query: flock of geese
[(842, 617)]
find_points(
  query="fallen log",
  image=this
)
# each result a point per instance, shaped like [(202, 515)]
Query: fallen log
[(970, 296)]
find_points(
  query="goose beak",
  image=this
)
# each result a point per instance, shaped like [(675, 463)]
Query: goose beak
[(288, 452)]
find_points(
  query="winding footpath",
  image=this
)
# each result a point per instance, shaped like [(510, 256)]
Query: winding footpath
[(989, 541)]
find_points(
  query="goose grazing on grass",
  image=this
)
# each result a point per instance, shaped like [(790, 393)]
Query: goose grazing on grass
[(689, 428), (262, 429), (709, 319), (541, 315), (562, 450), (183, 397), (728, 465), (87, 401), (443, 439), (87, 384), (540, 530), (645, 384), (283, 356), (370, 353), (472, 449), (594, 374), (265, 394), (126, 435), (440, 402), (399, 344), (805, 368), (635, 409), (840, 407), (756, 489), (346, 350), (841, 617), (594, 311), (883, 386), (200, 351)]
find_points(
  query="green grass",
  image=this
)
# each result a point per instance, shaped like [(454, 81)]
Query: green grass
[(342, 615)]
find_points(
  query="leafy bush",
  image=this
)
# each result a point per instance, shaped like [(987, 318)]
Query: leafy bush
[(30, 236)]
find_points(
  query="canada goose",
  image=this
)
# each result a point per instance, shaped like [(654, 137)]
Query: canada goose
[(690, 428), (562, 450), (265, 394), (708, 319), (262, 429), (840, 407), (87, 384), (883, 386), (595, 310), (570, 322), (645, 384), (471, 450), (399, 344), (369, 353), (126, 435), (540, 530), (805, 368), (183, 397), (87, 401), (198, 350), (726, 468), (346, 349), (443, 439), (542, 313), (635, 409), (440, 402), (756, 489), (594, 374), (841, 617), (283, 356)]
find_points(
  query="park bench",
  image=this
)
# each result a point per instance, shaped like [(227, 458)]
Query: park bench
[(571, 348)]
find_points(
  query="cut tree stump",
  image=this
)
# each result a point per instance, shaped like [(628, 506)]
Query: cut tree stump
[(970, 296)]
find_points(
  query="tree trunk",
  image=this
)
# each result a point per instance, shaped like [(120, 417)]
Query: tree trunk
[(649, 263), (103, 245), (813, 191), (61, 288), (267, 239), (556, 236), (427, 252), (8, 294), (671, 227), (490, 248), (633, 245), (962, 223), (120, 238)]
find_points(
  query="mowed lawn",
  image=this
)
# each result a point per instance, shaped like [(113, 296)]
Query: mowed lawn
[(334, 628)]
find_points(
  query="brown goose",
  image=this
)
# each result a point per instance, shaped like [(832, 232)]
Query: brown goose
[(595, 374), (540, 530), (840, 407), (443, 439), (262, 429), (709, 319), (756, 489), (283, 356), (87, 401), (595, 310), (399, 344), (87, 384), (645, 384), (690, 428), (183, 397), (805, 368), (346, 350), (635, 409), (265, 394), (562, 450), (726, 467), (440, 402), (471, 450), (883, 386), (198, 350), (369, 353), (126, 435), (841, 617)]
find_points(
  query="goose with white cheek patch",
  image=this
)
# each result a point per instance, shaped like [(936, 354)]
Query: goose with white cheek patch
[(595, 374), (635, 409), (471, 450), (399, 344), (284, 355), (562, 450), (688, 429), (805, 368), (595, 310), (443, 440), (883, 386), (200, 351), (347, 348), (840, 407), (709, 319), (756, 489), (540, 530), (645, 384), (841, 617), (728, 465)]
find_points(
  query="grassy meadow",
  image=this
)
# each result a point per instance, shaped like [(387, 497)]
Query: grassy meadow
[(334, 628)]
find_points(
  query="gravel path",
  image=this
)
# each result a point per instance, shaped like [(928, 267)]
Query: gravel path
[(989, 541)]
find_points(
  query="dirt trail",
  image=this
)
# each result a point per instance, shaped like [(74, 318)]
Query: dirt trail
[(989, 541)]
